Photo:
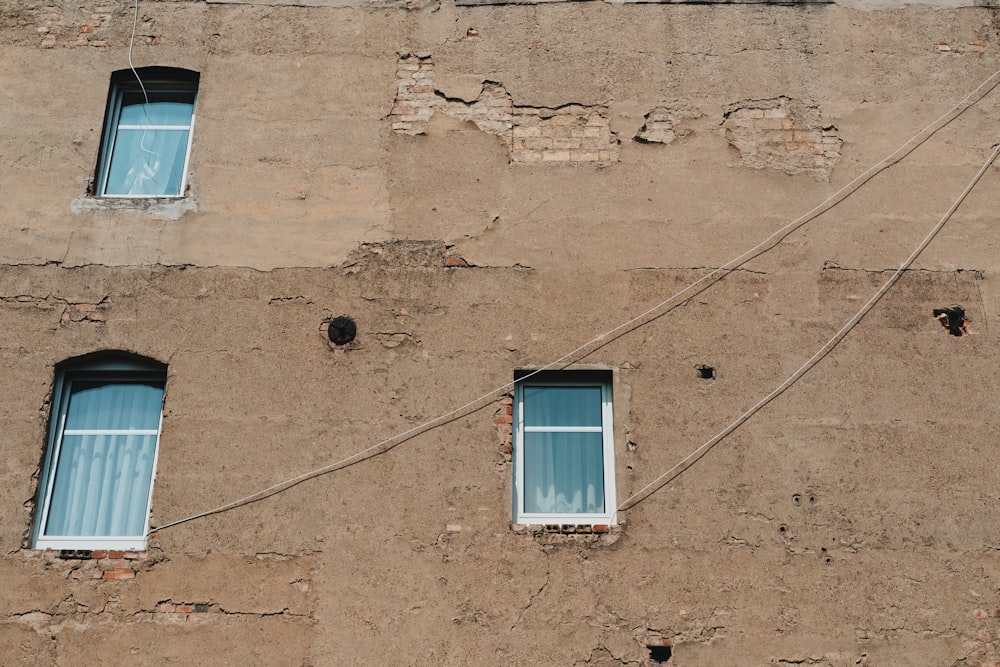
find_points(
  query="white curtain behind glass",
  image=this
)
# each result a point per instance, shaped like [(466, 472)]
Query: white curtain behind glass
[(563, 450), (105, 466)]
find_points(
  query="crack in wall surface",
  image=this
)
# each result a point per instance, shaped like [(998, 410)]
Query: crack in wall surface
[(534, 596)]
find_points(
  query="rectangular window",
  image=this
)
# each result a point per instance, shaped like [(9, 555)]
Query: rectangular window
[(147, 134), (564, 448), (97, 480)]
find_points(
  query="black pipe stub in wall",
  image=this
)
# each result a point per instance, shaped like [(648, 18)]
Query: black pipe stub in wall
[(341, 330)]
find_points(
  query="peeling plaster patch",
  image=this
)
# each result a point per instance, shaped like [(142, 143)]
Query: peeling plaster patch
[(660, 126), (72, 311), (569, 133), (392, 339), (783, 134), (409, 254)]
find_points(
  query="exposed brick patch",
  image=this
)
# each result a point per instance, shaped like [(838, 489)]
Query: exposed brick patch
[(662, 125), (71, 311), (103, 565), (782, 134), (592, 536), (86, 312), (570, 133), (416, 96), (503, 419), (56, 26)]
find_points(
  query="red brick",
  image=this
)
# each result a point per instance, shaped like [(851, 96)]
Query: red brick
[(509, 410), (116, 554), (184, 609), (506, 449), (503, 419), (115, 575), (122, 565), (99, 554), (600, 528)]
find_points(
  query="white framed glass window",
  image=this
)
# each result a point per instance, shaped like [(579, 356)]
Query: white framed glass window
[(564, 459), (147, 133), (97, 477)]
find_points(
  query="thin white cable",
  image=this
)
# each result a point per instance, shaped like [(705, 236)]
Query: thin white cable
[(131, 43), (145, 95), (735, 262), (825, 349)]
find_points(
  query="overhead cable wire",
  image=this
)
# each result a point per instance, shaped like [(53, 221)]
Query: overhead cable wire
[(145, 95), (827, 347), (776, 237)]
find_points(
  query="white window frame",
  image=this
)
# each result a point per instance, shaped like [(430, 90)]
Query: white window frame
[(566, 379), (160, 80), (113, 368)]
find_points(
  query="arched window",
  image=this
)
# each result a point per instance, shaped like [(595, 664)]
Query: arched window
[(97, 478), (147, 133)]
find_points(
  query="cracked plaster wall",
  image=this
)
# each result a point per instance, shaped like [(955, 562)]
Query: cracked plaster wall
[(864, 485), (853, 522)]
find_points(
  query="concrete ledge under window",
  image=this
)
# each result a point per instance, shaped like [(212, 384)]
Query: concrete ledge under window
[(170, 208)]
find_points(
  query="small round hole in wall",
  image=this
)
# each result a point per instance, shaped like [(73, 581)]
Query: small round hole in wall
[(705, 372), (342, 330)]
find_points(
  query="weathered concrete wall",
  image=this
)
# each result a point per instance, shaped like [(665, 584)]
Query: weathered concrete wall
[(556, 170)]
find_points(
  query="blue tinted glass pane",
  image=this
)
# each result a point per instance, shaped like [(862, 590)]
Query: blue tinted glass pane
[(101, 485), (563, 473), (562, 406), (163, 108), (147, 162), (114, 405)]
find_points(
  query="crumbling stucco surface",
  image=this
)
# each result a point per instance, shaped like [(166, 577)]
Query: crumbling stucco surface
[(853, 521)]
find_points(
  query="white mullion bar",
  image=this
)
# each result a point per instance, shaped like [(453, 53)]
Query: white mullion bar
[(563, 429), (110, 431), (155, 127)]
